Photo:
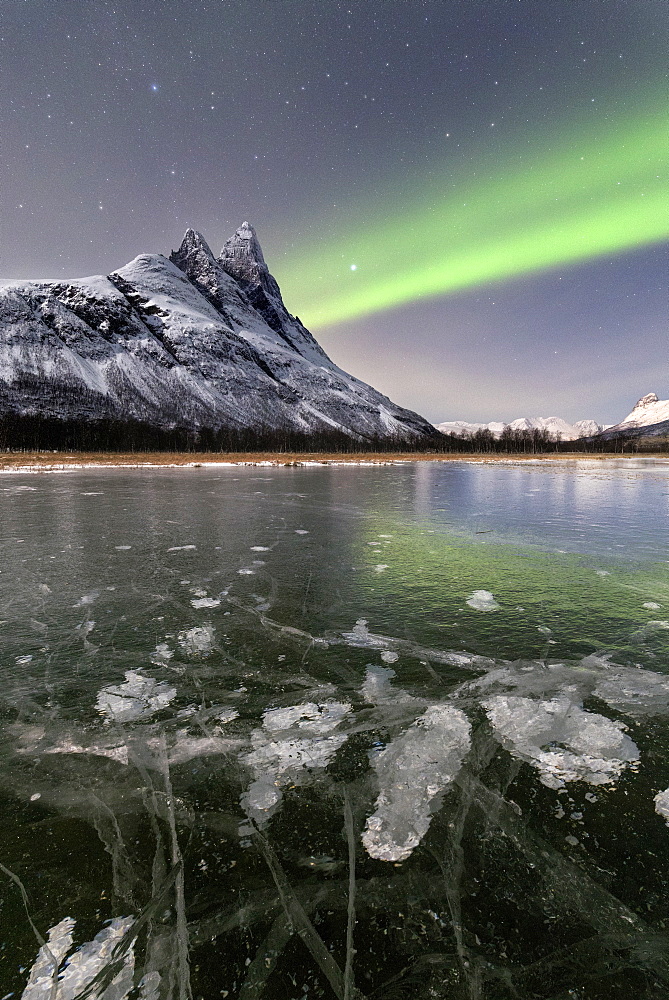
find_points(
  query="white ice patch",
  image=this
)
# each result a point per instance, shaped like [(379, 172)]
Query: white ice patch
[(377, 689), (661, 801), (634, 691), (412, 772), (181, 548), (59, 943), (187, 747), (205, 602), (260, 548), (301, 531), (361, 636), (246, 571), (380, 567), (87, 599), (292, 742), (82, 966), (482, 600), (122, 548), (138, 698), (560, 740), (651, 606), (389, 657), (161, 653), (117, 753), (198, 641), (23, 661)]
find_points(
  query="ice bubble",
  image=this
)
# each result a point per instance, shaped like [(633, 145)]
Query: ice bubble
[(389, 657)]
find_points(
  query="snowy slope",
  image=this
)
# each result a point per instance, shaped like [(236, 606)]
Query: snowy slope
[(650, 416), (554, 426), (191, 341)]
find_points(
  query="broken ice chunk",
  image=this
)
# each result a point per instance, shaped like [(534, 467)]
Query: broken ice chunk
[(412, 771), (561, 740), (482, 600), (651, 606), (138, 698)]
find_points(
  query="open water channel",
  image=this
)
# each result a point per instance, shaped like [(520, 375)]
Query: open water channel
[(386, 732)]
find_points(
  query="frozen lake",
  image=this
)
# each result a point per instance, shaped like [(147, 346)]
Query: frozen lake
[(389, 732)]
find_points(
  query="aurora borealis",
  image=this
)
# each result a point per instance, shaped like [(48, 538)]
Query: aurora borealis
[(467, 200), (593, 195)]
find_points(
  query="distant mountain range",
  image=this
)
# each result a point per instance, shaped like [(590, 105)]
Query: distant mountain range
[(649, 417), (194, 341), (554, 425)]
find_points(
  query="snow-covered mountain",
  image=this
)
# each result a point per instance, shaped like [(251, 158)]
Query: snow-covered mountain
[(194, 341), (554, 426), (650, 417)]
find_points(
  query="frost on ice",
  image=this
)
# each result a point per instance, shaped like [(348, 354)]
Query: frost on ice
[(292, 741), (138, 698), (482, 600), (560, 740), (412, 771)]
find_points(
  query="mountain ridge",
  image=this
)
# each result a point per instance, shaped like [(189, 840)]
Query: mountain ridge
[(180, 342)]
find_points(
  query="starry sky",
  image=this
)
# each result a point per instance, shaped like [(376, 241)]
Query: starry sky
[(467, 201)]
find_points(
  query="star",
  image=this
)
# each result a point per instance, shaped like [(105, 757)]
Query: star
[(354, 267)]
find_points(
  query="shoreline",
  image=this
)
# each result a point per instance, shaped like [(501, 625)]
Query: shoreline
[(13, 462)]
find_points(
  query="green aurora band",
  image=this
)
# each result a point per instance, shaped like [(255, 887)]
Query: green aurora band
[(582, 197)]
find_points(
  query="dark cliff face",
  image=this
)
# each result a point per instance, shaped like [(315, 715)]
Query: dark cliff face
[(242, 258), (184, 341)]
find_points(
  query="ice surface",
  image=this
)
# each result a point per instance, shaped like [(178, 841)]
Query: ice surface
[(482, 600), (138, 698), (412, 772), (560, 740)]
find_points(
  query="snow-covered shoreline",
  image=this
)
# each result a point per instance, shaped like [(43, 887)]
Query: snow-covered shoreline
[(285, 461)]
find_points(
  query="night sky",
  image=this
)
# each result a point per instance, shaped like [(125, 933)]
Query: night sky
[(467, 201)]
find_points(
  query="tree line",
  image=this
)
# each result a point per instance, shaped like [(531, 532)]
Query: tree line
[(32, 432)]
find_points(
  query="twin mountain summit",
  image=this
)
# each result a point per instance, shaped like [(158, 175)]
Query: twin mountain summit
[(194, 341)]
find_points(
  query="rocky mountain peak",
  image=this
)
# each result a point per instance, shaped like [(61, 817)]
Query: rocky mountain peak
[(192, 245), (242, 258), (646, 401), (196, 259)]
